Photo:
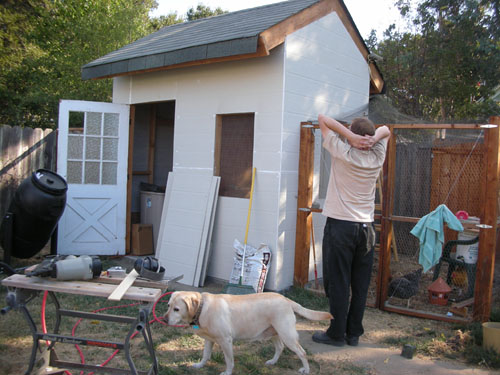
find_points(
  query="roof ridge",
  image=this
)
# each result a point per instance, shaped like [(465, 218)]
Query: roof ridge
[(243, 10)]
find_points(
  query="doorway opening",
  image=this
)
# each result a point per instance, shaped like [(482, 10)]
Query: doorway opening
[(150, 161)]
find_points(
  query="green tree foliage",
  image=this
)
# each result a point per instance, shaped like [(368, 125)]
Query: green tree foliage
[(44, 44), (17, 19), (48, 44), (156, 23), (449, 67), (203, 11)]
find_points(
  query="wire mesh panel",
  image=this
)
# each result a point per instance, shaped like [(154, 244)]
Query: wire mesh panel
[(451, 168), (436, 167)]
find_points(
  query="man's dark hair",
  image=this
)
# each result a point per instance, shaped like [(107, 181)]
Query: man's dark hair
[(362, 126)]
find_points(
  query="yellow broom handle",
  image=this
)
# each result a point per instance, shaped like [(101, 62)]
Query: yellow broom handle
[(250, 204)]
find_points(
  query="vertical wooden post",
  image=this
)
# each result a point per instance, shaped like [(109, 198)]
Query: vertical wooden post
[(152, 143), (487, 237), (128, 237), (304, 201), (386, 225)]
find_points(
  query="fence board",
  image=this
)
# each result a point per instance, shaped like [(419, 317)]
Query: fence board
[(23, 151)]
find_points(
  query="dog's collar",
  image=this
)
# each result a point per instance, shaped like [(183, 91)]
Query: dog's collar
[(196, 317)]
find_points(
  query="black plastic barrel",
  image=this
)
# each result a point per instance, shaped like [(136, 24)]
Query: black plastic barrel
[(36, 209)]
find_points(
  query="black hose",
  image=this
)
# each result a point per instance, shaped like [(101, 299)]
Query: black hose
[(5, 268), (5, 310)]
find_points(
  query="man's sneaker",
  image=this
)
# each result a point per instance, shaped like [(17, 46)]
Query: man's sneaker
[(352, 341), (323, 338)]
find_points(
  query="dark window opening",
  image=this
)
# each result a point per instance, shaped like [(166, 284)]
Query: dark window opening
[(234, 154)]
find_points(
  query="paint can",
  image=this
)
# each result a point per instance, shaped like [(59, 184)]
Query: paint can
[(491, 336), (467, 252)]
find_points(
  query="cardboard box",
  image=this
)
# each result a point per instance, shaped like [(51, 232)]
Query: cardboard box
[(142, 239)]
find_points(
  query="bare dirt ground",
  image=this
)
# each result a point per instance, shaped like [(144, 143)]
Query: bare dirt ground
[(385, 333)]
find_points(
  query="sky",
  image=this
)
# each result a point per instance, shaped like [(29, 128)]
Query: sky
[(367, 15)]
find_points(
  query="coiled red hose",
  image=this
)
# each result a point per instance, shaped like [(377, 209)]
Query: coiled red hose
[(73, 331)]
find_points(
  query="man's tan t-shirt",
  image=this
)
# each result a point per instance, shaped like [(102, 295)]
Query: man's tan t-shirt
[(353, 177)]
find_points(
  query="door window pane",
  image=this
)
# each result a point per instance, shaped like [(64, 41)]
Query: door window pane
[(74, 172), (110, 150), (92, 172), (75, 147), (109, 173), (111, 124), (93, 148), (93, 123)]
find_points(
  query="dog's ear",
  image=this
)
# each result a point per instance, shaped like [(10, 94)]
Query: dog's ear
[(192, 301)]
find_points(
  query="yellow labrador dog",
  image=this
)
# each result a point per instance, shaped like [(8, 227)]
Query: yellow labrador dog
[(222, 318)]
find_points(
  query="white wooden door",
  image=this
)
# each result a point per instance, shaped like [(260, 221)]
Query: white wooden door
[(92, 155)]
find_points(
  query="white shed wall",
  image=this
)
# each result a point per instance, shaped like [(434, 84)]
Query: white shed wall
[(324, 73), (254, 85)]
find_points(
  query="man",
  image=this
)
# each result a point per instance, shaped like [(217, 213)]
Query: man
[(357, 155)]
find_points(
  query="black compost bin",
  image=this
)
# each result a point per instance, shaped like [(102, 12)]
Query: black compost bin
[(35, 211)]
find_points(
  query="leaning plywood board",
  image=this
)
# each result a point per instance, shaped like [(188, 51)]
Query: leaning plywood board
[(207, 232), (184, 230)]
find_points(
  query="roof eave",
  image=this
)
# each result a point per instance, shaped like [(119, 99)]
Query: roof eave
[(243, 48), (236, 49)]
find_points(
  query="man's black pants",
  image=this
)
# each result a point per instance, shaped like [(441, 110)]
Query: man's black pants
[(347, 266)]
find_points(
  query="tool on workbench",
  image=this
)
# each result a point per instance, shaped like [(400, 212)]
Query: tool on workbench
[(68, 267), (148, 268)]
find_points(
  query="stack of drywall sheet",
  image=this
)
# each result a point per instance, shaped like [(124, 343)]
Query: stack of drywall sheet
[(186, 225)]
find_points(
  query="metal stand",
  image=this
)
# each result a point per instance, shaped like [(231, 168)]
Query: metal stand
[(8, 228), (23, 289)]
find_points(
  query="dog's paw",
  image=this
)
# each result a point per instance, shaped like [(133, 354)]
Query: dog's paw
[(304, 370), (198, 365), (226, 373), (271, 362)]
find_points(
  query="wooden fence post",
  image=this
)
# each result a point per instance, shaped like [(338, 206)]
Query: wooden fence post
[(304, 203), (487, 236), (386, 224)]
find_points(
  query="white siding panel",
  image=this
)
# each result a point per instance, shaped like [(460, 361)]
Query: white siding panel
[(291, 141), (199, 142), (289, 188), (269, 160), (324, 73), (265, 142), (193, 159)]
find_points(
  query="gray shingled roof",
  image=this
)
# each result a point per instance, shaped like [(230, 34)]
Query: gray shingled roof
[(226, 35)]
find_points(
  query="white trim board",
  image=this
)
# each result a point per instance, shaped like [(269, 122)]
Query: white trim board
[(186, 225)]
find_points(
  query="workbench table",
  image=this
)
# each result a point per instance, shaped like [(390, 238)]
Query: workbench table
[(22, 289)]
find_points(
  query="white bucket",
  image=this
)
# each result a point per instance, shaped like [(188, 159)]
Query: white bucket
[(467, 252)]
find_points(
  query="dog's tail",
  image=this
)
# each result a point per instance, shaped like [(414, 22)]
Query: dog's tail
[(310, 314)]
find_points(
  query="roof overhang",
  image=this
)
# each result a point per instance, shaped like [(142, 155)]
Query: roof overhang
[(238, 49)]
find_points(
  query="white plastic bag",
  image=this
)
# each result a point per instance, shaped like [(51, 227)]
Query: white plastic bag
[(257, 262)]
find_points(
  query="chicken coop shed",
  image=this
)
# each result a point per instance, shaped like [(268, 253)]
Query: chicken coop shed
[(211, 97)]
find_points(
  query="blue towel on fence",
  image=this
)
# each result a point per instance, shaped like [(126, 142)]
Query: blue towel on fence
[(429, 230)]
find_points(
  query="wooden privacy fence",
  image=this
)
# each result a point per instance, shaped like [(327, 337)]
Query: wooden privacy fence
[(23, 151), (460, 170)]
